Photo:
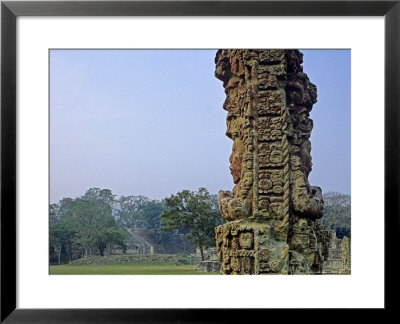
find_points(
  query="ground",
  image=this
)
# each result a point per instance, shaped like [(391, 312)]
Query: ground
[(128, 268)]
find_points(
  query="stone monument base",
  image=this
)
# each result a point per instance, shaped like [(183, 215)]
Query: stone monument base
[(246, 247), (209, 266)]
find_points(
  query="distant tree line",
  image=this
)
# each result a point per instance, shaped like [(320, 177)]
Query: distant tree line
[(337, 213), (83, 226), (95, 223)]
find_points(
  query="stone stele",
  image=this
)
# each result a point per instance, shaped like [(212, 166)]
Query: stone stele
[(270, 214)]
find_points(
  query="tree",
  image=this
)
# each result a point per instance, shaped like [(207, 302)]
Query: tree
[(109, 237), (66, 224), (60, 231), (114, 237), (86, 223), (191, 213), (97, 194), (140, 212), (129, 210), (337, 213), (150, 215), (55, 232), (91, 220)]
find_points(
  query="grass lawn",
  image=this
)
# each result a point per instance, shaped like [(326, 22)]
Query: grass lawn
[(132, 268)]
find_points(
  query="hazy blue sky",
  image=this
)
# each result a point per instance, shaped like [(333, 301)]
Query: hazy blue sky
[(150, 122)]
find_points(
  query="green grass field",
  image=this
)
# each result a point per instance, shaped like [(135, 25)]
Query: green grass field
[(132, 268)]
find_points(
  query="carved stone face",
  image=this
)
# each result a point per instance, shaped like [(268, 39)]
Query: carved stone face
[(275, 209), (246, 240), (276, 156), (222, 69), (295, 162)]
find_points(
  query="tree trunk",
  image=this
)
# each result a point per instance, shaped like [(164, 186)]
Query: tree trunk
[(70, 250), (58, 249), (111, 248), (201, 253)]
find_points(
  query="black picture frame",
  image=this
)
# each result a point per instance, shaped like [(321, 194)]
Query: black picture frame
[(10, 10)]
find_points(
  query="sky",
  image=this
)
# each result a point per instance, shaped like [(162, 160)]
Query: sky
[(150, 122)]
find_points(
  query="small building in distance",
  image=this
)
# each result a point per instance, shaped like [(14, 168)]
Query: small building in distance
[(142, 241)]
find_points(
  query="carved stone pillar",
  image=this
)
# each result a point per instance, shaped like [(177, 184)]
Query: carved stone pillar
[(346, 254), (272, 208)]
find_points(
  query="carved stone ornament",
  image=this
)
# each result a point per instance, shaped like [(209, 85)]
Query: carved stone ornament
[(270, 214)]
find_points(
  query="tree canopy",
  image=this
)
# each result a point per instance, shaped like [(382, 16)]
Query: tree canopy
[(139, 212), (194, 214), (337, 213), (96, 223), (84, 225)]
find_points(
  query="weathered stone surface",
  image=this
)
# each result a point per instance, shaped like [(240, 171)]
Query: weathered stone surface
[(209, 266), (209, 254), (346, 254), (272, 208), (338, 256)]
